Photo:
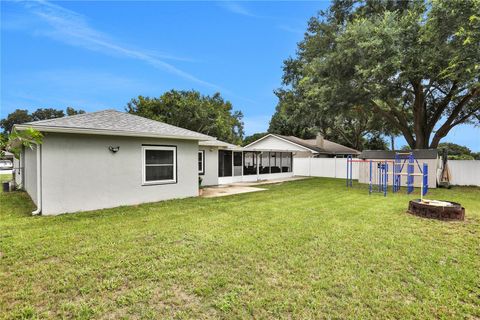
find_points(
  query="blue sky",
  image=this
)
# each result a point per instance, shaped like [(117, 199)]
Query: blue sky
[(99, 55)]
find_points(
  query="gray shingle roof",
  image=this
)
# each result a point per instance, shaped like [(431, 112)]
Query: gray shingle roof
[(301, 142), (113, 121), (333, 147), (329, 147)]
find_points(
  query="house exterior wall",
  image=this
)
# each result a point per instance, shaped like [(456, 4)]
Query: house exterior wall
[(364, 172), (210, 176), (30, 172), (79, 173)]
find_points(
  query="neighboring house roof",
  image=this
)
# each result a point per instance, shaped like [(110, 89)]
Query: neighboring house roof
[(329, 147), (333, 147), (8, 155), (220, 144), (302, 142), (113, 122), (388, 154)]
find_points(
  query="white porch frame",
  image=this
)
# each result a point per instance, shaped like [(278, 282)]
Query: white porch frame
[(258, 176)]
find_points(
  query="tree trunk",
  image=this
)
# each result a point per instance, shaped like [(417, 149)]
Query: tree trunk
[(392, 140), (419, 116)]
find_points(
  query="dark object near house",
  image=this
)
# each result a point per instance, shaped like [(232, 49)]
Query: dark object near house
[(442, 210), (6, 186), (445, 176)]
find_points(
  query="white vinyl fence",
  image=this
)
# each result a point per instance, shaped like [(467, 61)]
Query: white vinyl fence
[(323, 167), (464, 172)]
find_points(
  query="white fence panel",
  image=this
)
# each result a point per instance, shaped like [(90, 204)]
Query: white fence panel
[(323, 167), (301, 167), (341, 169), (465, 172)]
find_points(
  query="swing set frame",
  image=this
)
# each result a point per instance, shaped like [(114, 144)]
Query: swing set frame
[(379, 173)]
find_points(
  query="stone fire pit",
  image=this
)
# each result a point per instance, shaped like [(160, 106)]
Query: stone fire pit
[(435, 209)]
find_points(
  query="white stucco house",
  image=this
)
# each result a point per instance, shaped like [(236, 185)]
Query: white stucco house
[(109, 158)]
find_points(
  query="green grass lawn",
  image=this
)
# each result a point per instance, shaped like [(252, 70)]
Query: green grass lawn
[(303, 249)]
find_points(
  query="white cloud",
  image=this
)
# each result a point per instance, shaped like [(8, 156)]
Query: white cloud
[(236, 8), (291, 29), (72, 28)]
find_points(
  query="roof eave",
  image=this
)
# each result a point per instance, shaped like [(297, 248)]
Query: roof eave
[(109, 132)]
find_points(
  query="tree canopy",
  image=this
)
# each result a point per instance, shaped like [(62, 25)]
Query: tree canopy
[(14, 141), (458, 152), (254, 137), (20, 116), (384, 67), (16, 117), (211, 115)]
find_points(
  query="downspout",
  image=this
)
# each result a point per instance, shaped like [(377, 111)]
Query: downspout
[(39, 183)]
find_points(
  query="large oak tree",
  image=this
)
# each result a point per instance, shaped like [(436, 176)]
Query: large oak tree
[(413, 64)]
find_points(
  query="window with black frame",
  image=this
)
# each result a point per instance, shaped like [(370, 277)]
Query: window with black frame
[(201, 161), (159, 164)]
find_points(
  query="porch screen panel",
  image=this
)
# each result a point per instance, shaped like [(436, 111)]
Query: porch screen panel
[(264, 162), (249, 164), (286, 162), (224, 163), (237, 164), (275, 158)]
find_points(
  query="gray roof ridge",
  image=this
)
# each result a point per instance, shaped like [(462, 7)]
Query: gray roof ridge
[(72, 116), (164, 123), (90, 120)]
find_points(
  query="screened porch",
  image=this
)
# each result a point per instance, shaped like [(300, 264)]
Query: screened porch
[(237, 166)]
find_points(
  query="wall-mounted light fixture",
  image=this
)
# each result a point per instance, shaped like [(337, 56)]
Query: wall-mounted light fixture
[(114, 149)]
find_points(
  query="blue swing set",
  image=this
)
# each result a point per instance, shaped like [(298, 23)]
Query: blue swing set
[(379, 173)]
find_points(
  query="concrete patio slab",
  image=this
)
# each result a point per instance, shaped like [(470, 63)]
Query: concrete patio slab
[(271, 181), (227, 190), (242, 187)]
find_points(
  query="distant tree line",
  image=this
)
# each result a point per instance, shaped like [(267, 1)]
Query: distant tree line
[(454, 151), (458, 152), (20, 116)]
